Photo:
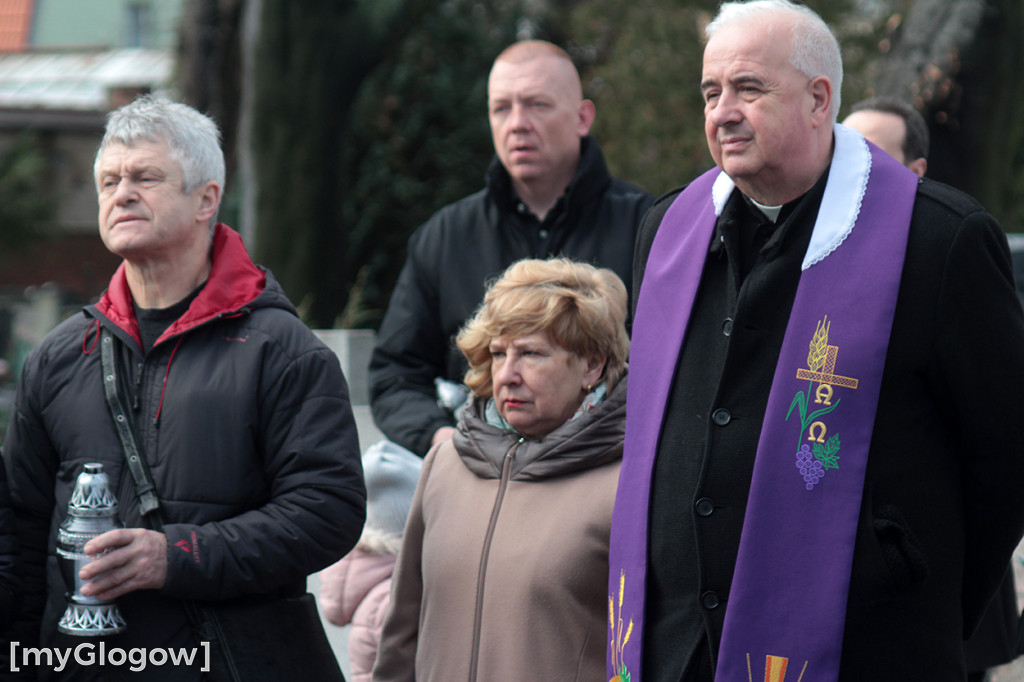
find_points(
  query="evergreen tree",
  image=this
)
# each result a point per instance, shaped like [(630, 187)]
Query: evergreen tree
[(26, 202)]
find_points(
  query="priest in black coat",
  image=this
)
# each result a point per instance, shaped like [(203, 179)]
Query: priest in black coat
[(941, 507)]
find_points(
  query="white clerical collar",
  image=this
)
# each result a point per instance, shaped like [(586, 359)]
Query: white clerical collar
[(840, 204), (770, 212)]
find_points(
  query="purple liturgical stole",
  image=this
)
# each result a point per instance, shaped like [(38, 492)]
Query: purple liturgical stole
[(787, 602)]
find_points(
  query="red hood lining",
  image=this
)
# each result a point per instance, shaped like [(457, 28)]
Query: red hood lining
[(234, 282)]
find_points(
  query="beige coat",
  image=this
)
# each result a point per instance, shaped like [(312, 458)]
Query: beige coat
[(503, 573)]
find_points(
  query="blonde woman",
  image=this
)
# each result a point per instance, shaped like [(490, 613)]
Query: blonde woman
[(503, 567)]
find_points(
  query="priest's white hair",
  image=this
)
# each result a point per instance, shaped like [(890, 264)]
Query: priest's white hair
[(814, 51)]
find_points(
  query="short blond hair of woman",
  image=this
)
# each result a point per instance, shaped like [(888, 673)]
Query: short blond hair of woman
[(580, 307)]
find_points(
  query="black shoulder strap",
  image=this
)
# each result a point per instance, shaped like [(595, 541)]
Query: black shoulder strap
[(144, 488), (149, 503)]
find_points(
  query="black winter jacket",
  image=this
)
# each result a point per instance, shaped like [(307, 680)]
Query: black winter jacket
[(451, 257), (10, 587), (245, 421), (10, 590)]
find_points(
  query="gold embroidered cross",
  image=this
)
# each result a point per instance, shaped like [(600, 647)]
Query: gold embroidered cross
[(826, 376)]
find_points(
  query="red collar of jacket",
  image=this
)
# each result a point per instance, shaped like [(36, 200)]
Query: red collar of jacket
[(234, 282)]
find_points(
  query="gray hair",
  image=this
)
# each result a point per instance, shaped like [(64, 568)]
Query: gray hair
[(193, 138), (815, 50)]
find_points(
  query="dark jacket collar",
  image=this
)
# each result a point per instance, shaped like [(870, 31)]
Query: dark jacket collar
[(591, 180), (592, 439), (235, 283)]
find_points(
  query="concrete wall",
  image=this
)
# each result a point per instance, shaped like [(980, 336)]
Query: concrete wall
[(353, 347)]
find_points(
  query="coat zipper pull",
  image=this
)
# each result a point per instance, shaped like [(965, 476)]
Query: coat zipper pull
[(506, 465)]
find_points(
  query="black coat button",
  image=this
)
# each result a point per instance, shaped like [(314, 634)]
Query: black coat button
[(721, 416), (705, 507), (727, 326), (710, 600)]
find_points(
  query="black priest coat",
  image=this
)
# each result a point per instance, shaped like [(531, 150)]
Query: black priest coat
[(943, 503)]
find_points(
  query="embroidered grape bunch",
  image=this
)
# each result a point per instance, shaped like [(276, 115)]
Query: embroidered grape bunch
[(813, 464), (810, 468)]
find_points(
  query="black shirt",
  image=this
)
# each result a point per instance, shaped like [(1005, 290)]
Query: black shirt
[(154, 321)]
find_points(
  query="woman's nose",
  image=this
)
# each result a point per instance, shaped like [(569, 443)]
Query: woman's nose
[(505, 372)]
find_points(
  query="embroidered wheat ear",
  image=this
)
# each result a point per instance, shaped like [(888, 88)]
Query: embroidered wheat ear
[(611, 624), (819, 346), (617, 642)]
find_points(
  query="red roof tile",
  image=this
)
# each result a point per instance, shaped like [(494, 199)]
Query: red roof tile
[(15, 20)]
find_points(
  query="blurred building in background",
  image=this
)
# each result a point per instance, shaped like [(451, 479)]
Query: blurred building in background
[(64, 64)]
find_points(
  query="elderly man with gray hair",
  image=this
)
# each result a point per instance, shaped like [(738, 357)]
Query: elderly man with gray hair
[(227, 434), (822, 477)]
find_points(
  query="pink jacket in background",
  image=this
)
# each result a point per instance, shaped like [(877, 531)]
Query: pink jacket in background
[(356, 590)]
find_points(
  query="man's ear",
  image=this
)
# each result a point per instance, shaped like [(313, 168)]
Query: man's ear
[(209, 201), (919, 166), (821, 91), (587, 113)]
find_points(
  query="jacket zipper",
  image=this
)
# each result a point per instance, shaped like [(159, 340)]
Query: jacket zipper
[(506, 469), (140, 367)]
